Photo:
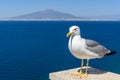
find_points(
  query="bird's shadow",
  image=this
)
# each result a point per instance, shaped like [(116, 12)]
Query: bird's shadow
[(93, 71)]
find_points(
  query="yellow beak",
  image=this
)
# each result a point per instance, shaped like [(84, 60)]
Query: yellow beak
[(68, 34)]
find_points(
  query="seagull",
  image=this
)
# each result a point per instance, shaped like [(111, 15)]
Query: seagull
[(85, 49)]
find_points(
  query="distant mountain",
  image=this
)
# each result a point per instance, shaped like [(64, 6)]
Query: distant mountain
[(48, 14)]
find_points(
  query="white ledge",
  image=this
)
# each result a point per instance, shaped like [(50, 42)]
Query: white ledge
[(93, 74)]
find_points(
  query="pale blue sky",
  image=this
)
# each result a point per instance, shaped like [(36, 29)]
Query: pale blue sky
[(10, 8)]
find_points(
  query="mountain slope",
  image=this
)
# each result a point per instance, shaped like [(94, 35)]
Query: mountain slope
[(47, 14)]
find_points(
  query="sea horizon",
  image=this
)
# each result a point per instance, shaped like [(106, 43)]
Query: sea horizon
[(58, 20)]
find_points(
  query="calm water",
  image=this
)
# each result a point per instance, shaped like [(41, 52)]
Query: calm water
[(30, 50)]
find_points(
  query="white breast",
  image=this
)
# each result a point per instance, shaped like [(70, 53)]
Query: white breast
[(77, 48)]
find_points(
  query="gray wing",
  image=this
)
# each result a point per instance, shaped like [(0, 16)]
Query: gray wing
[(95, 47)]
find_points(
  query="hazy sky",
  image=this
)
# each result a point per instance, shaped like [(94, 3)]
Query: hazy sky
[(10, 8)]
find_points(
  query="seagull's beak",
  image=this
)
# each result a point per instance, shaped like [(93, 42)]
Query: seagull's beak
[(68, 34)]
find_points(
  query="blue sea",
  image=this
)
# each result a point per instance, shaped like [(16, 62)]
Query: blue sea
[(30, 50)]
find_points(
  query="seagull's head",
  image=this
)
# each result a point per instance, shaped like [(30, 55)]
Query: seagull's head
[(73, 30)]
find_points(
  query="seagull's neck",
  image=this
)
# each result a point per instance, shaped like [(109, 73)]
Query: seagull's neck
[(72, 38), (78, 36), (75, 37)]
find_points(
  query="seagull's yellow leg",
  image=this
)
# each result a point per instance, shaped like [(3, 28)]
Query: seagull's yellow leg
[(87, 66), (86, 72), (82, 63), (80, 72)]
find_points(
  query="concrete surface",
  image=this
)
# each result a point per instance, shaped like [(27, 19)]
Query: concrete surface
[(93, 74)]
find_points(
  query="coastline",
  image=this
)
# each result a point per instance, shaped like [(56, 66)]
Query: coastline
[(58, 20)]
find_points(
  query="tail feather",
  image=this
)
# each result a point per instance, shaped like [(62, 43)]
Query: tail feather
[(111, 53)]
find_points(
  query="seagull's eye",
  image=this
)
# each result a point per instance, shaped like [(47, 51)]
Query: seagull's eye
[(75, 29)]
